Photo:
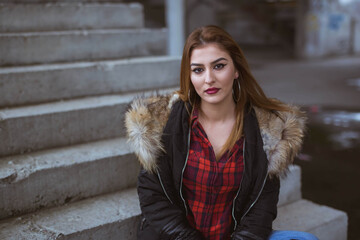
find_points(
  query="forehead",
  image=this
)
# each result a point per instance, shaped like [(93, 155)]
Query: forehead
[(208, 53)]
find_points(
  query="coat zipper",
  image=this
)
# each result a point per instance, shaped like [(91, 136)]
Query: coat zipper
[(162, 185), (257, 197), (242, 177), (182, 174)]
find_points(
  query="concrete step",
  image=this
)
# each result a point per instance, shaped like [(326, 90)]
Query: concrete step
[(325, 222), (64, 123), (69, 16), (37, 176), (54, 177), (44, 83), (113, 216), (290, 186), (89, 45)]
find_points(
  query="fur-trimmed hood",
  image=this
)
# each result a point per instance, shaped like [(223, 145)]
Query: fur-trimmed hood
[(281, 133)]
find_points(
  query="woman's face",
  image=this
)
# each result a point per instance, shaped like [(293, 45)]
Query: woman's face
[(212, 74)]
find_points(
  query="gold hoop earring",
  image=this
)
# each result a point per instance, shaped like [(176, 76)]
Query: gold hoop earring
[(233, 92)]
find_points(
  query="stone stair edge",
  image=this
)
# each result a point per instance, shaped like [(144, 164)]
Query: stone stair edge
[(16, 169), (56, 177), (48, 219), (290, 186), (23, 165), (72, 3), (38, 48), (91, 151), (82, 216), (304, 215), (84, 64), (78, 104), (80, 32), (49, 83), (68, 15), (49, 125)]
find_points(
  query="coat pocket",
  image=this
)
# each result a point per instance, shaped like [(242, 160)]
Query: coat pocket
[(145, 231), (142, 223)]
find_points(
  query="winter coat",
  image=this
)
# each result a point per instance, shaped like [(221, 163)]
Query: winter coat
[(159, 132)]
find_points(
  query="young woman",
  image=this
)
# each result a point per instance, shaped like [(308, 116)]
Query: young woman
[(212, 152)]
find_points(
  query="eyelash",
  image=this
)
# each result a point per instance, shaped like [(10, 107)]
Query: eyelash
[(216, 67)]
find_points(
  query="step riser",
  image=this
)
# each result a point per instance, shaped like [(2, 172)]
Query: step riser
[(42, 189), (322, 221), (112, 216), (57, 186), (126, 229), (27, 134), (23, 49), (290, 186), (36, 86), (334, 230), (55, 17), (108, 214)]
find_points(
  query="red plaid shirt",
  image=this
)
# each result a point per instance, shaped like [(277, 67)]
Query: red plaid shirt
[(210, 186)]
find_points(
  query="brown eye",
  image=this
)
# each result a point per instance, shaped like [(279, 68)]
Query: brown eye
[(197, 70), (219, 66)]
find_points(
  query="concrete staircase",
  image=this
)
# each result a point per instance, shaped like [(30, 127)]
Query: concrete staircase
[(67, 73)]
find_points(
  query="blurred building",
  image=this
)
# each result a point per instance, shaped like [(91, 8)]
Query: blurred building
[(308, 28)]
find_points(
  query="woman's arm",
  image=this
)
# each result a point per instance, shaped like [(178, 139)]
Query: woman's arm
[(163, 216), (257, 223)]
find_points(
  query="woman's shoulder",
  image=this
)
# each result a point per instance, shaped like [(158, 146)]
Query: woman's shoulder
[(151, 112), (145, 121), (282, 133)]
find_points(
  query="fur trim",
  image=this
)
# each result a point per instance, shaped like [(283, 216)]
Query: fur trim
[(282, 137), (144, 122), (281, 133)]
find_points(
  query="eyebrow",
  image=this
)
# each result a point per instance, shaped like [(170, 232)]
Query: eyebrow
[(213, 62)]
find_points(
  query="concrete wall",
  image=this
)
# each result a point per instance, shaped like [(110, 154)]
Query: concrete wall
[(356, 36), (327, 28)]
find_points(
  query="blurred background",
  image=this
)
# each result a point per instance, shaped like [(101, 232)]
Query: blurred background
[(68, 70)]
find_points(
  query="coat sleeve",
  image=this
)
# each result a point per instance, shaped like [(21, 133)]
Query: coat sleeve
[(163, 216), (257, 223)]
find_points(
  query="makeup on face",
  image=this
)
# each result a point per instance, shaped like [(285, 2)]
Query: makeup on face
[(212, 73)]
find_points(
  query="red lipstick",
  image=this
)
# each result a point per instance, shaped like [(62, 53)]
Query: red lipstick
[(212, 90)]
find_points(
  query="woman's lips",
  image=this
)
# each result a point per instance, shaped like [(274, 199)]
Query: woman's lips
[(212, 90)]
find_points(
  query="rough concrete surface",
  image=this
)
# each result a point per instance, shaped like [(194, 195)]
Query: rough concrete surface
[(325, 222), (290, 186), (68, 46), (55, 177), (112, 216), (26, 129), (64, 123), (67, 16), (41, 83)]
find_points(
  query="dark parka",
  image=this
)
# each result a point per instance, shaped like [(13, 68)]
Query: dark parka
[(158, 130)]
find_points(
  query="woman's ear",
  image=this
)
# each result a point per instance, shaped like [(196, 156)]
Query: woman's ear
[(236, 74)]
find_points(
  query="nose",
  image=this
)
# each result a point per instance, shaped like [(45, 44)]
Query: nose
[(209, 77)]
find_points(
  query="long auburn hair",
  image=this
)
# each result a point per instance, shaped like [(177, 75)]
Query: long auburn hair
[(250, 91)]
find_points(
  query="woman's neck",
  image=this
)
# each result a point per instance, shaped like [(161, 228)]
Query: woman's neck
[(213, 113)]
